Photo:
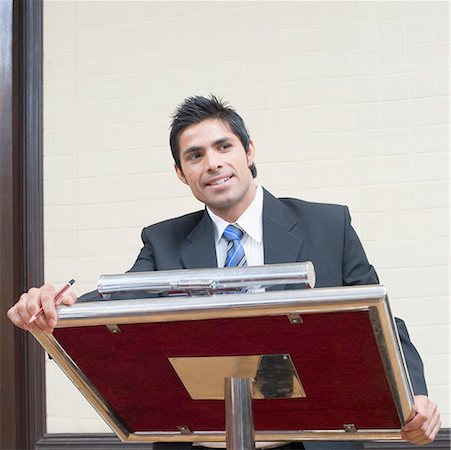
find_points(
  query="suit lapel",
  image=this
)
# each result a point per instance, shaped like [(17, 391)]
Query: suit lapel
[(199, 251), (281, 235)]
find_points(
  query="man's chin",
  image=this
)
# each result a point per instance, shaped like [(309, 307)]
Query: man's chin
[(223, 204), (220, 206)]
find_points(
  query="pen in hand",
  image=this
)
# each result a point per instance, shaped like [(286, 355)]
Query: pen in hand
[(57, 299)]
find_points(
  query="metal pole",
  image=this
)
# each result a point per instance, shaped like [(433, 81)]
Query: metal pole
[(239, 419)]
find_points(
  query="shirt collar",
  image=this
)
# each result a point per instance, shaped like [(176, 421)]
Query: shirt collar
[(250, 221)]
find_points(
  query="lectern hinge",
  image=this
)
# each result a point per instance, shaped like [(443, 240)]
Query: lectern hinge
[(114, 329), (184, 429), (350, 428), (295, 319)]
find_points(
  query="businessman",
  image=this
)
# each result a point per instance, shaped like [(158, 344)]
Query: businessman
[(243, 224)]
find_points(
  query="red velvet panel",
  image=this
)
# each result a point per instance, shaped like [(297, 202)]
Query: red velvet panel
[(335, 354)]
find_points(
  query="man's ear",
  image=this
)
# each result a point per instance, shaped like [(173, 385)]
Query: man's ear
[(180, 174), (250, 154)]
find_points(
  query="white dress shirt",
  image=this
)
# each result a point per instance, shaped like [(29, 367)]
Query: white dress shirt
[(251, 222)]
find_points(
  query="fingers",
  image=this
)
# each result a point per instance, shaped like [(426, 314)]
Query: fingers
[(22, 311), (424, 426), (422, 438), (434, 426), (431, 428), (30, 303), (68, 298), (34, 300), (17, 313), (47, 320)]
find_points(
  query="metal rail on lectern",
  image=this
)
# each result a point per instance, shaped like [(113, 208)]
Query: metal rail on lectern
[(208, 281)]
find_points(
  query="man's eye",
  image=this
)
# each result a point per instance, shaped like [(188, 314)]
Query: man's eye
[(194, 155), (225, 146)]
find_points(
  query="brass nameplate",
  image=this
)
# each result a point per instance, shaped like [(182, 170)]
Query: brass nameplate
[(273, 376)]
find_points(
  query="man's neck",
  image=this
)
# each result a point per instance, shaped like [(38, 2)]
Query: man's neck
[(228, 215), (232, 215)]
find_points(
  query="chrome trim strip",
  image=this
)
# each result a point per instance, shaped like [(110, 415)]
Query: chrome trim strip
[(262, 436), (387, 337), (219, 306)]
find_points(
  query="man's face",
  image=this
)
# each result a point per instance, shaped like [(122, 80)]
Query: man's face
[(216, 168)]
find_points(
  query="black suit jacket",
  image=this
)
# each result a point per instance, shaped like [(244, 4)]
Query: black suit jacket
[(293, 230)]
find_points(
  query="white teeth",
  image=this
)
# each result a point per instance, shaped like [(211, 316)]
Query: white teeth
[(221, 181)]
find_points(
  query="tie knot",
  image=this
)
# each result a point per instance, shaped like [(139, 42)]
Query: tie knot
[(233, 233)]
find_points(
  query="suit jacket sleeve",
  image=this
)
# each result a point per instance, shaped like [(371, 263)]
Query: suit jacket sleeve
[(144, 262), (357, 270)]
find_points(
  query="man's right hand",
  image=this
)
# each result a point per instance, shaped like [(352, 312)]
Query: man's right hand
[(29, 304)]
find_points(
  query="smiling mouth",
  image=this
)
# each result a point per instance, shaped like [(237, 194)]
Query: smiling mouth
[(219, 182)]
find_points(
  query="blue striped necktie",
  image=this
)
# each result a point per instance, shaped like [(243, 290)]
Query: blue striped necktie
[(235, 251)]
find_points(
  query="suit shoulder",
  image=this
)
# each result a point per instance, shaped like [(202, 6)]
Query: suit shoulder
[(176, 225), (298, 206), (324, 221)]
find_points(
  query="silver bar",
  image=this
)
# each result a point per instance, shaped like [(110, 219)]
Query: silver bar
[(224, 306), (187, 280), (268, 436), (240, 434), (384, 327)]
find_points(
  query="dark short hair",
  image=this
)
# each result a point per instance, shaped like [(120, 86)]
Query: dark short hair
[(196, 109)]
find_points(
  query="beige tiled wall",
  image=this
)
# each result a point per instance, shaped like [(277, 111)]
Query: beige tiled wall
[(347, 102)]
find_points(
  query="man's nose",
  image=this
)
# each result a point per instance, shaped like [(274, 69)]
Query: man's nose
[(212, 160)]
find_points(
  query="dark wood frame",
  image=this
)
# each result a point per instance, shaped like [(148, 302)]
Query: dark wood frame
[(22, 368), (22, 374)]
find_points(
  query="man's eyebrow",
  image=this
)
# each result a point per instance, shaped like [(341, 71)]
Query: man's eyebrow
[(192, 149), (197, 148), (221, 141)]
